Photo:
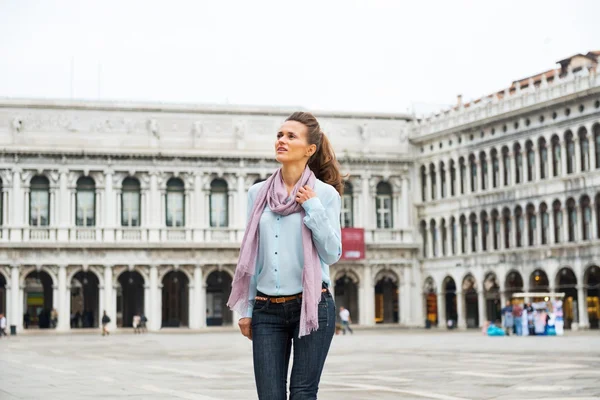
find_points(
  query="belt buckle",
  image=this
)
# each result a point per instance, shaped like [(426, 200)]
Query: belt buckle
[(278, 300)]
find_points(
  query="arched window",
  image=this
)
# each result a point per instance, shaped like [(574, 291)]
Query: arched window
[(424, 237), (572, 219), (85, 202), (219, 210), (175, 203), (518, 163), (558, 221), (453, 236), (543, 157), (506, 165), (130, 203), (586, 224), (495, 169), (453, 178), (423, 183), (485, 230), (473, 166), (443, 179), (545, 222), (463, 234), (584, 146), (444, 234), (507, 227), (39, 201), (531, 225), (519, 226), (597, 144), (570, 152), (597, 203), (556, 156), (484, 170), (496, 229), (474, 232), (384, 206), (432, 180), (530, 161), (434, 237), (463, 174), (347, 206)]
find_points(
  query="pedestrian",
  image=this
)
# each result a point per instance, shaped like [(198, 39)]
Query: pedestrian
[(26, 319), (137, 320), (3, 326), (530, 320), (517, 312), (509, 320), (144, 321), (346, 320), (54, 318), (105, 322), (282, 278)]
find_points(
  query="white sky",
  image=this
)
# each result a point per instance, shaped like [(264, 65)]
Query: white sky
[(366, 55)]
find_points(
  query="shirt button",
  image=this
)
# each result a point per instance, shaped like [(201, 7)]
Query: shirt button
[(276, 236), (275, 252), (275, 269)]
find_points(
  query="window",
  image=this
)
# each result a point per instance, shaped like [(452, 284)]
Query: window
[(484, 170), (496, 224), (531, 225), (473, 166), (453, 234), (443, 179), (474, 232), (586, 212), (495, 169), (518, 163), (530, 161), (507, 227), (506, 165), (584, 147), (219, 201), (39, 201), (432, 179), (175, 203), (453, 176), (347, 202), (130, 203), (423, 183), (570, 152), (558, 221), (463, 174), (597, 144), (384, 206), (543, 158), (434, 237), (86, 202), (519, 226), (556, 156), (485, 230), (444, 236), (545, 222), (572, 219), (463, 234), (424, 237)]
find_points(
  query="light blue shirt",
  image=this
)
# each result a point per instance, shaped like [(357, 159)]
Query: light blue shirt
[(280, 259)]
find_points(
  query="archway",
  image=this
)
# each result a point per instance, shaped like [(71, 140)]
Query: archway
[(130, 298), (84, 300), (469, 287), (38, 299), (431, 306), (592, 285), (566, 282), (175, 299), (493, 304), (2, 294), (538, 282), (218, 288), (450, 300), (513, 284), (386, 297), (346, 295)]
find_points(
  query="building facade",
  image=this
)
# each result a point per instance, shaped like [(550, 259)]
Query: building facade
[(509, 198), (140, 208)]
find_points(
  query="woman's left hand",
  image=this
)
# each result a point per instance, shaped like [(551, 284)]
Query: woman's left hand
[(305, 193)]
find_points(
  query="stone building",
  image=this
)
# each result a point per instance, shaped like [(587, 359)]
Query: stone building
[(509, 197), (140, 208)]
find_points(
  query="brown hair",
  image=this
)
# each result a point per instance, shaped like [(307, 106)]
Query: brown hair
[(323, 162)]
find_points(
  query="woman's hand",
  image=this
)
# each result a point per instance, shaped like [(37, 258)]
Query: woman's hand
[(245, 325), (305, 193)]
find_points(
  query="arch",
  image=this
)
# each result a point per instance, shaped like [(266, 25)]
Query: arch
[(471, 303), (38, 297), (130, 296), (513, 283), (442, 169), (386, 296), (570, 147), (566, 282), (473, 167), (543, 155), (596, 133), (558, 221), (484, 170), (430, 301), (452, 178), (506, 165), (175, 298), (530, 160), (423, 183), (592, 295), (496, 229), (450, 304), (491, 290), (584, 146), (434, 237), (462, 174), (118, 272), (24, 271), (346, 283), (210, 270), (571, 219), (218, 289), (556, 155), (85, 299), (74, 270), (544, 223), (531, 224), (432, 181), (518, 162), (519, 225), (538, 282), (586, 221), (495, 168)]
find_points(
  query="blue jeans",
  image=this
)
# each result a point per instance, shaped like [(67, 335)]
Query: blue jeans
[(518, 326), (274, 329)]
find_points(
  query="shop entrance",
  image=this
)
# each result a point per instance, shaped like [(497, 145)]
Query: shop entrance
[(469, 287), (346, 295), (431, 306), (386, 299), (130, 298), (538, 282), (175, 300), (593, 296), (566, 282), (38, 298), (492, 298), (84, 300), (218, 288), (450, 300)]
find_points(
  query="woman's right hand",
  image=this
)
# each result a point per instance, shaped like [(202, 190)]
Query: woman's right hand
[(245, 325)]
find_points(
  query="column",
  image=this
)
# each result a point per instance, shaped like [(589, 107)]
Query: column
[(460, 312), (513, 233), (242, 201), (550, 211), (441, 307), (540, 227), (406, 205), (593, 223), (592, 147), (405, 298), (582, 307), (534, 170), (447, 178), (438, 184), (481, 306), (427, 185), (110, 217), (64, 312), (153, 220), (16, 206), (577, 161), (525, 233), (429, 234), (579, 223), (366, 199), (515, 171), (416, 317), (401, 302), (366, 296), (563, 157), (155, 317), (16, 316), (110, 304), (195, 322), (501, 167), (469, 247), (565, 223)]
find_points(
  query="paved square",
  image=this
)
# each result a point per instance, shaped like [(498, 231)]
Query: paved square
[(372, 364)]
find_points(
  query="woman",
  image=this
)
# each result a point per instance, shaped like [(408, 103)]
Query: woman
[(282, 276)]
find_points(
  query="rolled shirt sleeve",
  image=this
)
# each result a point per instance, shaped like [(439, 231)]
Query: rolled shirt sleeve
[(324, 223)]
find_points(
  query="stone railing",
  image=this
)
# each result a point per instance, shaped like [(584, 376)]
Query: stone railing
[(494, 106)]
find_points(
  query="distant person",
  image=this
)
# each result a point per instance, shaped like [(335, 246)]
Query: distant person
[(509, 319), (26, 319), (530, 319), (2, 325), (144, 321), (517, 312), (54, 318), (346, 320), (105, 322), (137, 320)]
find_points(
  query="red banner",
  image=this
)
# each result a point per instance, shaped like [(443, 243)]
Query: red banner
[(353, 244)]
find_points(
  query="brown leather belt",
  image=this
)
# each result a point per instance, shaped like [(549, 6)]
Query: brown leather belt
[(283, 299)]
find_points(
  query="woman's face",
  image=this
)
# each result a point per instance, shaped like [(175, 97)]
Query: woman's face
[(291, 145)]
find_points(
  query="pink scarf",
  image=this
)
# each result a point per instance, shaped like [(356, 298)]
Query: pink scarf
[(274, 194)]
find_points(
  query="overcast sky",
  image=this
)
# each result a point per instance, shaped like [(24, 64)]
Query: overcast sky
[(369, 55)]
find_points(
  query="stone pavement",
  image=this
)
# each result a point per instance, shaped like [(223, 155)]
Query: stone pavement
[(374, 364)]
